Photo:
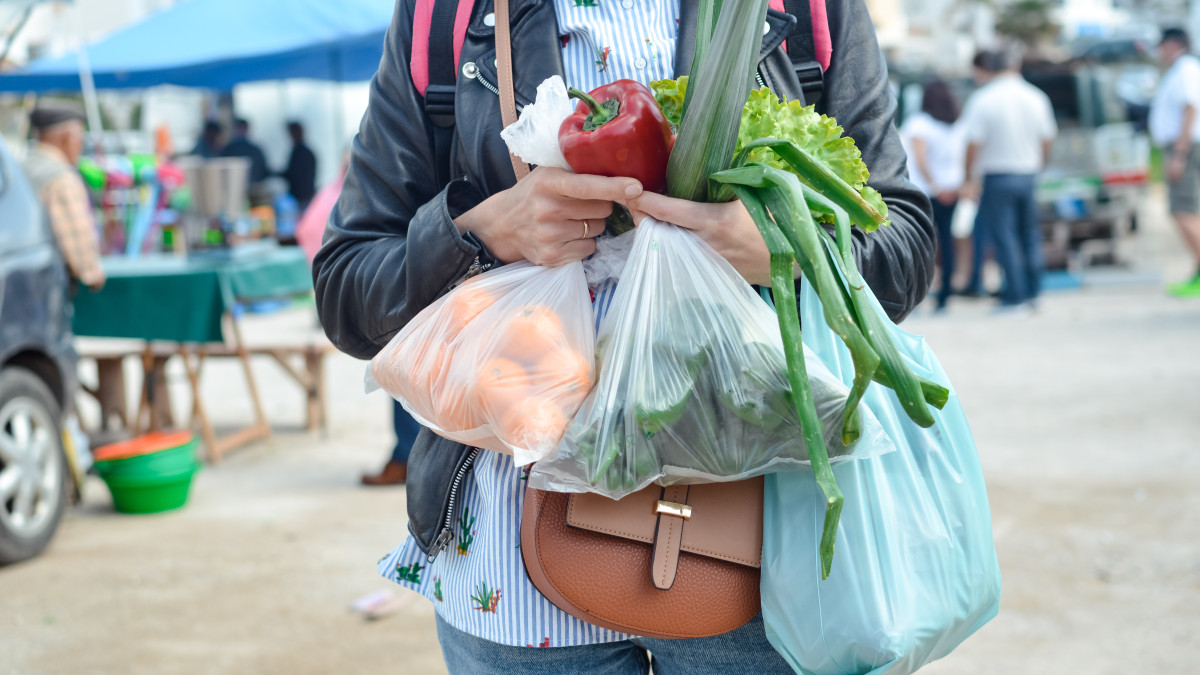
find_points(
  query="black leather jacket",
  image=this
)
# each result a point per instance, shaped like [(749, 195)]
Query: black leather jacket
[(391, 247)]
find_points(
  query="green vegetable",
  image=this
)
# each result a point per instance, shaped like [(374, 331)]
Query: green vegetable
[(782, 194), (721, 82), (661, 395), (760, 387), (816, 174), (784, 292), (901, 378), (765, 116)]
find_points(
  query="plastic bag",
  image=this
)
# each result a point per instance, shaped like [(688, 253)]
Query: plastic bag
[(534, 136), (914, 567), (962, 224), (693, 382), (502, 362)]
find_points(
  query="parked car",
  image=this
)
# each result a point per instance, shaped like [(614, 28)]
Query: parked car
[(37, 370)]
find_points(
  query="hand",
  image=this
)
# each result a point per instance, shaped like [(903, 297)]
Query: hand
[(947, 197), (1176, 166), (727, 228), (970, 190), (550, 218)]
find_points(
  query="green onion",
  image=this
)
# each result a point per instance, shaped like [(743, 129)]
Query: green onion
[(716, 94)]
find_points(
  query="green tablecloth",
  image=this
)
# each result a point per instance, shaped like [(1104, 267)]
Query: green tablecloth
[(183, 299)]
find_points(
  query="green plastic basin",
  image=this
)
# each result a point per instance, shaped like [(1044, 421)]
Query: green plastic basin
[(150, 494)]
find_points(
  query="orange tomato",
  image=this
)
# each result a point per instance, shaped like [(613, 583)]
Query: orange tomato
[(463, 305), (531, 334), (500, 384), (564, 375), (427, 369), (455, 409), (537, 423)]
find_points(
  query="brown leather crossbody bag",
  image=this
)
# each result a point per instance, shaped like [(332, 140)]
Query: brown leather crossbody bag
[(675, 562)]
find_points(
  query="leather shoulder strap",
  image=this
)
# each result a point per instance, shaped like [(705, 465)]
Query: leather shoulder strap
[(504, 70)]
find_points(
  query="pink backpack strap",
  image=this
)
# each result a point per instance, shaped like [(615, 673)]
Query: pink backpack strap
[(809, 45), (822, 43), (821, 40), (422, 27)]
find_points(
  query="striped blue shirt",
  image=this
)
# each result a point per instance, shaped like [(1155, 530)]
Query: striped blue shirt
[(479, 585)]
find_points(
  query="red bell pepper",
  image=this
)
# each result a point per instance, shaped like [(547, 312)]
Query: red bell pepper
[(618, 130)]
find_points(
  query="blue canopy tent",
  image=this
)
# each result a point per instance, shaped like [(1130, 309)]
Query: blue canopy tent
[(216, 44)]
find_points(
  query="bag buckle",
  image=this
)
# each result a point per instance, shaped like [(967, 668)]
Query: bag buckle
[(812, 80), (666, 508), (439, 104)]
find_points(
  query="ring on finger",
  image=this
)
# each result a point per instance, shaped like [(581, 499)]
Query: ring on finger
[(586, 229)]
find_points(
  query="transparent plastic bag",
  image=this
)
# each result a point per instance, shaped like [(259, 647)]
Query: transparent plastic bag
[(502, 362), (914, 567), (693, 383), (534, 136)]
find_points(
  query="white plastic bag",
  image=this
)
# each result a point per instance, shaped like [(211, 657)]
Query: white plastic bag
[(693, 382), (963, 222), (534, 136), (502, 362)]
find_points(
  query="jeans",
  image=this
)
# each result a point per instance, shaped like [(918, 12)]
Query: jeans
[(943, 216), (741, 651), (1008, 222), (406, 433)]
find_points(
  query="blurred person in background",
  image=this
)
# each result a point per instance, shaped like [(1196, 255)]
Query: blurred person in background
[(935, 148), (209, 143), (309, 232), (1174, 128), (396, 470), (301, 171), (242, 146), (1009, 126), (51, 168)]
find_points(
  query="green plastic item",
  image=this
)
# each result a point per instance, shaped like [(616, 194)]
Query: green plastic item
[(144, 165), (150, 494), (151, 465), (93, 174)]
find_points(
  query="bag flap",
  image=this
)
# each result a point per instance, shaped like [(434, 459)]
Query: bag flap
[(726, 521)]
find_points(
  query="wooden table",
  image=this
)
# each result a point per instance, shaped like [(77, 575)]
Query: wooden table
[(185, 307)]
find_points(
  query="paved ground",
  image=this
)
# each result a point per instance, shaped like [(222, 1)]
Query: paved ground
[(1086, 421)]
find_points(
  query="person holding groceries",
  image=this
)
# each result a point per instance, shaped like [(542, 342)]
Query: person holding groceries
[(417, 215)]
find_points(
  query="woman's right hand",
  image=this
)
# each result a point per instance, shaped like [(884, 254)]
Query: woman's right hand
[(550, 218)]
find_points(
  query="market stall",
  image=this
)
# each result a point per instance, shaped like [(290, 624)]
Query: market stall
[(183, 256), (182, 307)]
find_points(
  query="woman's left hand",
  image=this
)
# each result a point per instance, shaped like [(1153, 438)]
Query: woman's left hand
[(727, 228)]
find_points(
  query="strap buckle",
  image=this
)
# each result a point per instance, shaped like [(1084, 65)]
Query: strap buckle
[(673, 509), (439, 104), (812, 80)]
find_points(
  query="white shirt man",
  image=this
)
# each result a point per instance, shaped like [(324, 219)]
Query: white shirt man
[(1174, 127), (1178, 90), (1009, 125)]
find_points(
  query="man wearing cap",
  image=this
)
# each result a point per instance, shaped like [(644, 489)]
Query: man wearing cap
[(50, 166), (1174, 128)]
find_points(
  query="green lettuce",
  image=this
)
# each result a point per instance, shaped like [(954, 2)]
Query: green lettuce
[(765, 116)]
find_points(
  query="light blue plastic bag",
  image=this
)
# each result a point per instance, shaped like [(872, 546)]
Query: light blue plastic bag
[(914, 567)]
